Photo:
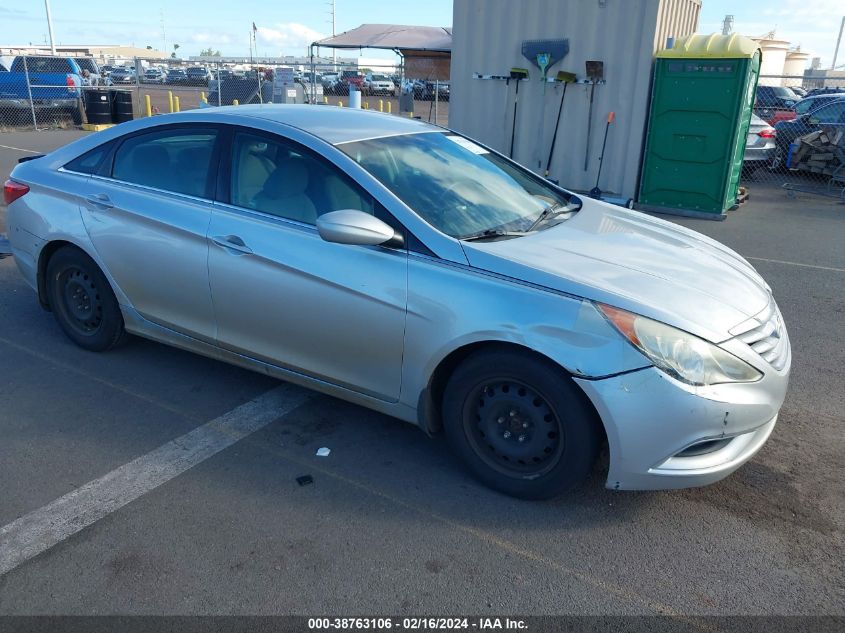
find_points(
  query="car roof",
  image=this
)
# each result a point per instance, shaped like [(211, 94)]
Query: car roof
[(332, 124)]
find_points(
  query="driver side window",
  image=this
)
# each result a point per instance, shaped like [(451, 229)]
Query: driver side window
[(282, 179)]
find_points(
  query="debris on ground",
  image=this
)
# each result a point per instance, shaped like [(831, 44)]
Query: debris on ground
[(323, 452)]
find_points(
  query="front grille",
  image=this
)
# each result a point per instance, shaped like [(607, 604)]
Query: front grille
[(766, 335)]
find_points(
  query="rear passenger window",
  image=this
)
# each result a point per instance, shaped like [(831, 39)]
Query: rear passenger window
[(89, 161), (282, 179), (172, 160), (42, 65)]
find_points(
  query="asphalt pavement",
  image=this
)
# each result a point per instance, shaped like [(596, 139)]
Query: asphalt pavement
[(391, 523)]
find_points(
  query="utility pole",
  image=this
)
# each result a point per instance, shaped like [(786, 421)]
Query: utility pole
[(163, 33), (728, 25), (838, 42), (334, 24), (50, 26)]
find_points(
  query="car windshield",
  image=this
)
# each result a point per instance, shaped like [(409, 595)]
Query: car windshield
[(454, 184), (380, 78)]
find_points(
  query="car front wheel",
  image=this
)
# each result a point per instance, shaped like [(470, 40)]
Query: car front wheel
[(520, 424), (83, 302)]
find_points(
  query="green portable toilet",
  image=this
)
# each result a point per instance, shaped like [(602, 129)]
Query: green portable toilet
[(701, 102)]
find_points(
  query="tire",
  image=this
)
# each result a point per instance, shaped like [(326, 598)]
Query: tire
[(520, 424), (83, 302)]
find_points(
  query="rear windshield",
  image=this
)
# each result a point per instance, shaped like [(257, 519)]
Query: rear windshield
[(43, 65)]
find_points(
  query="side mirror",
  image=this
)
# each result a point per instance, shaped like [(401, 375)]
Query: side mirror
[(350, 226)]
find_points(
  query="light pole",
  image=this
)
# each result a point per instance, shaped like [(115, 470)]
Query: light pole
[(50, 26)]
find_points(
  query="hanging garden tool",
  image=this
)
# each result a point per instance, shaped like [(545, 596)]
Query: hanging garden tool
[(517, 74), (543, 54), (595, 192), (595, 73), (564, 78)]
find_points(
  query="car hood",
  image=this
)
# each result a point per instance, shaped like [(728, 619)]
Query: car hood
[(635, 262)]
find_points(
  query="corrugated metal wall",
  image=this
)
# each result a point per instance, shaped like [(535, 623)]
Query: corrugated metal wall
[(487, 39)]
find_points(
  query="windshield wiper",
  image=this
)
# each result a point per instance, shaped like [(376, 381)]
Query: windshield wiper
[(549, 212), (491, 233)]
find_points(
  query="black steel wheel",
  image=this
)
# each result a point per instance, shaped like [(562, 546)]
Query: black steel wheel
[(520, 423), (513, 428), (82, 301)]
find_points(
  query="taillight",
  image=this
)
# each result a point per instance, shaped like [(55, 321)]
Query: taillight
[(71, 84), (13, 190), (766, 133)]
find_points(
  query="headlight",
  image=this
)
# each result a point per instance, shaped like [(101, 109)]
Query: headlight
[(678, 353)]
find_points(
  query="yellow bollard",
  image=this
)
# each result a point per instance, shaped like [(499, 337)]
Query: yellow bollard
[(326, 100), (202, 97), (176, 103), (170, 99), (235, 102), (340, 103), (389, 107), (381, 105), (366, 105), (410, 115), (148, 105)]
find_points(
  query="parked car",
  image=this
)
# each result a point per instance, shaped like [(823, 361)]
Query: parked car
[(760, 144), (330, 83), (405, 268), (808, 104), (94, 77), (825, 91), (122, 75), (154, 76), (176, 76), (772, 100), (375, 84), (54, 84), (197, 76), (798, 91), (349, 78), (430, 88), (787, 131)]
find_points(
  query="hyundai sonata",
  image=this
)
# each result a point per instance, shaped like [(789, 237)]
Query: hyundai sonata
[(409, 269)]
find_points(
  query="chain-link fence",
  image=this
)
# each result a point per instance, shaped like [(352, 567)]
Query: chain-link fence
[(797, 136), (59, 92)]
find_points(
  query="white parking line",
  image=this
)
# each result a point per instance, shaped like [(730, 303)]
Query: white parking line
[(780, 261), (41, 529), (20, 149)]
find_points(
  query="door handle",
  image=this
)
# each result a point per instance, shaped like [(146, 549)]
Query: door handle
[(100, 200), (232, 242)]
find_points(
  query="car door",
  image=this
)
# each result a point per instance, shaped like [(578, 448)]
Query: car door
[(283, 295), (147, 213)]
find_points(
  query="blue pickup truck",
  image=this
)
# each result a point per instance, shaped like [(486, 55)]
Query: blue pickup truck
[(55, 85)]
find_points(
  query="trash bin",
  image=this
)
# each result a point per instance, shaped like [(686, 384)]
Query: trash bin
[(122, 106), (97, 106), (701, 102)]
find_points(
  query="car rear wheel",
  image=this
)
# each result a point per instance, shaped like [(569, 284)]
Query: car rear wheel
[(83, 302), (520, 424)]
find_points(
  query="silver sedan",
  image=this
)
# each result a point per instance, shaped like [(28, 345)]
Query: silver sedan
[(409, 269)]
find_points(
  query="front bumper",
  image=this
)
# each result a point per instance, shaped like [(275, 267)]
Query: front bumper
[(665, 434)]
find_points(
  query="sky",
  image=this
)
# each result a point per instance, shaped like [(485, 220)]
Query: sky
[(288, 26)]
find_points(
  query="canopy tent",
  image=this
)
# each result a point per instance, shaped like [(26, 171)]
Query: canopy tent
[(394, 37), (425, 50)]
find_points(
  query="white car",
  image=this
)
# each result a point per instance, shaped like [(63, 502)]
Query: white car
[(375, 84)]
